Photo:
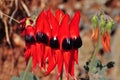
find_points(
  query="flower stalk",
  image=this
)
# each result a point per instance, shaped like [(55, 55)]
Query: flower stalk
[(94, 54), (27, 69)]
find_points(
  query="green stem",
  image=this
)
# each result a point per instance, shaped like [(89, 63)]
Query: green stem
[(61, 75), (27, 69), (94, 55)]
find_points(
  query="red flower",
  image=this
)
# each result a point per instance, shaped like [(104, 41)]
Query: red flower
[(29, 34), (77, 42), (106, 42), (54, 39), (95, 34), (105, 39), (39, 38), (54, 42)]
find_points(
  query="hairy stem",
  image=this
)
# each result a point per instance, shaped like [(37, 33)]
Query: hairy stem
[(27, 69), (94, 55)]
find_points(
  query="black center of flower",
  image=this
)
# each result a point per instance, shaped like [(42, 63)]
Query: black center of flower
[(41, 37), (54, 43), (77, 43), (29, 39), (67, 44)]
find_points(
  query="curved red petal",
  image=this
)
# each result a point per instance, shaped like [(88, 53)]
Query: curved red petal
[(59, 61), (53, 22), (71, 67), (67, 57), (47, 54), (39, 53), (95, 34), (59, 15), (46, 26), (51, 63), (34, 56), (39, 22), (76, 56), (106, 42), (74, 25)]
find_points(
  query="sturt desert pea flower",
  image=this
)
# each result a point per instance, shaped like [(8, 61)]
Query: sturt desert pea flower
[(47, 31), (102, 27), (29, 34), (106, 41), (106, 35), (39, 38), (70, 41), (43, 35), (95, 32), (77, 42), (54, 42), (65, 43)]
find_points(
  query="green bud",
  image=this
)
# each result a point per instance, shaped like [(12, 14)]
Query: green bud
[(95, 20), (109, 25), (102, 23)]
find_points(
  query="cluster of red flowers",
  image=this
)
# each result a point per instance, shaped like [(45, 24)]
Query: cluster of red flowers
[(54, 39), (102, 27)]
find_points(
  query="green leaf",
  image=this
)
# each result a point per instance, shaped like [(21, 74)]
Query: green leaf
[(15, 78), (101, 72), (97, 61), (102, 78), (30, 76)]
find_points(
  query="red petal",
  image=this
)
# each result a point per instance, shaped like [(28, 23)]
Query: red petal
[(71, 67), (52, 63), (67, 57), (54, 23), (59, 61), (76, 56), (106, 42), (74, 25), (95, 34), (43, 63), (39, 22), (34, 56), (39, 53), (47, 53), (59, 15), (47, 28)]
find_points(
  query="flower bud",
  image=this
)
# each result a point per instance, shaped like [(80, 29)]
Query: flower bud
[(109, 25), (95, 20), (102, 23)]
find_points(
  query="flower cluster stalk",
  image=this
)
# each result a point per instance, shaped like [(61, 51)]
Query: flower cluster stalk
[(94, 55), (27, 69)]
